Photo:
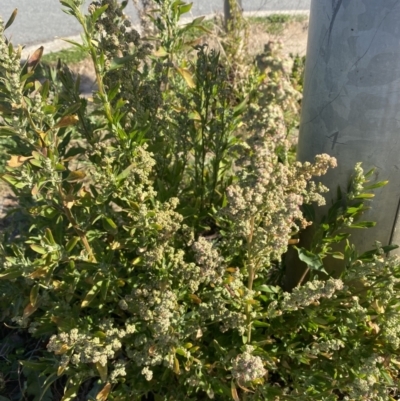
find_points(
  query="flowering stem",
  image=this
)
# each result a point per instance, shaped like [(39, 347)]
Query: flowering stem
[(99, 78), (251, 273)]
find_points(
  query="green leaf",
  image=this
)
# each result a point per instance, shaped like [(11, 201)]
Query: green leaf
[(11, 19), (91, 295), (9, 179), (364, 196), (38, 249), (75, 43), (258, 323), (49, 381), (33, 297), (49, 237), (377, 185), (102, 371), (71, 244), (6, 131), (119, 62), (387, 377), (185, 8), (364, 224), (313, 261), (309, 212), (109, 225), (369, 254), (125, 173), (75, 176), (268, 288), (10, 274), (98, 12), (187, 76), (337, 255)]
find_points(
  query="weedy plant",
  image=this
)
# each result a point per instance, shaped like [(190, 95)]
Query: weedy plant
[(149, 259)]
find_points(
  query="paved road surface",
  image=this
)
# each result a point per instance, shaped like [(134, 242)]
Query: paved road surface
[(41, 21)]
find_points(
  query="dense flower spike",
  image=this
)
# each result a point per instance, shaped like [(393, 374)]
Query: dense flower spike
[(145, 257)]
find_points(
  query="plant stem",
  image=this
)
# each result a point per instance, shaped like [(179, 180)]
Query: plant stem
[(76, 227), (251, 272)]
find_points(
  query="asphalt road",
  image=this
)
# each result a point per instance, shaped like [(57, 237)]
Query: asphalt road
[(41, 21)]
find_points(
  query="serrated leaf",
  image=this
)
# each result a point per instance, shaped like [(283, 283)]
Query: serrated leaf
[(187, 76)]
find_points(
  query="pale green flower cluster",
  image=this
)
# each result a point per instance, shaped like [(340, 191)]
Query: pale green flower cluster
[(391, 330), (211, 264), (365, 386), (10, 67), (326, 346), (308, 294), (246, 367), (77, 347)]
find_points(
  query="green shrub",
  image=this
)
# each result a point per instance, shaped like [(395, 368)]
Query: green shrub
[(148, 263)]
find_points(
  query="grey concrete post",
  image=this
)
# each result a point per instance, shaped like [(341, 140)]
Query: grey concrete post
[(227, 9), (351, 105)]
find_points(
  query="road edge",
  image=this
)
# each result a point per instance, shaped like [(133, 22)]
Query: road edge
[(59, 44)]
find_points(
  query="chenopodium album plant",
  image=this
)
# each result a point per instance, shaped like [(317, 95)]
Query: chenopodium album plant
[(153, 215)]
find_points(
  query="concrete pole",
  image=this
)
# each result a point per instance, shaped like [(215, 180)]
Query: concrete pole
[(351, 105), (227, 9)]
